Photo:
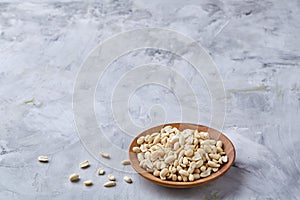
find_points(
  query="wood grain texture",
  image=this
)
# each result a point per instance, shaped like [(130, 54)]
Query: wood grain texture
[(214, 134)]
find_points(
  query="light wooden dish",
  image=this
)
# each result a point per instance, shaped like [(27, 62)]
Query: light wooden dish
[(227, 146)]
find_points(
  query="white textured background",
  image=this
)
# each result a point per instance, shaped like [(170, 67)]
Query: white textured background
[(255, 45)]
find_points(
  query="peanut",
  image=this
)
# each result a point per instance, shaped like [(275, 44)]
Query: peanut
[(84, 164), (125, 162), (127, 179), (111, 177), (100, 171), (88, 183), (74, 177), (109, 184), (105, 155), (43, 159)]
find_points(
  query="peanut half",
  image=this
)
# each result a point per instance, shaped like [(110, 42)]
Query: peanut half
[(125, 162), (74, 177), (105, 155), (84, 164), (44, 159), (88, 183), (109, 184), (100, 171), (111, 177), (127, 179)]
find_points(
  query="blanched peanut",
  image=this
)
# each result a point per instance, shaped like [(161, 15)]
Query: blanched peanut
[(181, 140), (205, 173), (219, 144), (111, 177), (84, 164), (109, 184), (195, 141), (198, 163), (203, 168), (147, 155), (164, 172), (213, 149), (105, 155), (148, 164), (179, 168), (196, 156), (170, 159), (189, 152), (136, 149), (140, 140), (190, 170), (43, 159), (185, 161), (173, 170), (127, 179), (214, 156), (207, 148), (183, 173), (207, 157), (74, 177), (179, 178), (215, 169), (205, 135), (163, 165), (174, 177), (150, 170), (156, 173), (191, 177), (176, 162), (197, 171), (125, 162), (156, 139), (219, 149), (88, 183), (183, 165), (212, 164), (143, 148), (176, 146), (224, 159), (196, 176), (100, 171), (140, 157)]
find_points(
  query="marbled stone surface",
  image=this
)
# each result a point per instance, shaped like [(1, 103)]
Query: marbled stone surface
[(255, 45)]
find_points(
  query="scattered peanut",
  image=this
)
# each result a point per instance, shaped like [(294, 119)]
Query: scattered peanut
[(109, 184), (43, 159), (84, 164), (74, 177), (105, 155), (125, 162), (111, 177), (100, 171), (175, 155), (127, 179), (88, 183)]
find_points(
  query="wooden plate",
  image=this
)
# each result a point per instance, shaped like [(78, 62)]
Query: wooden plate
[(227, 146)]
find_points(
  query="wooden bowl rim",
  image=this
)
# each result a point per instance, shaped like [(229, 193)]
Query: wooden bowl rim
[(222, 170)]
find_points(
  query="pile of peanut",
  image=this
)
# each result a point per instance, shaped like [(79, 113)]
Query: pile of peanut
[(86, 164), (176, 155)]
